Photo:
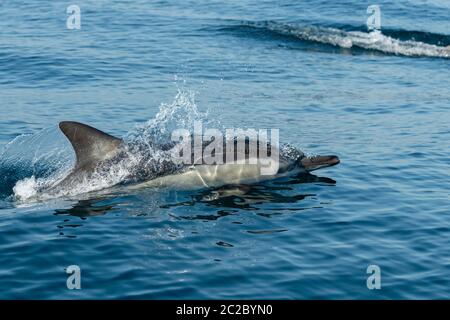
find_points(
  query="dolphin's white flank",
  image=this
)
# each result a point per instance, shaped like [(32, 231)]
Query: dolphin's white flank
[(210, 176)]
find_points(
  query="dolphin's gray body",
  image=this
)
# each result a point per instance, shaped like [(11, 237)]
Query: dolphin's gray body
[(95, 149)]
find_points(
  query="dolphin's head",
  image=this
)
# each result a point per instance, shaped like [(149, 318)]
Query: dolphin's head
[(318, 162)]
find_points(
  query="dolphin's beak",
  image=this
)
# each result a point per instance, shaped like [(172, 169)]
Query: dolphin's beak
[(317, 162)]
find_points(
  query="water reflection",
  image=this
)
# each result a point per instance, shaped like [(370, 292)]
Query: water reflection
[(82, 209), (226, 201), (231, 199), (306, 177), (86, 208)]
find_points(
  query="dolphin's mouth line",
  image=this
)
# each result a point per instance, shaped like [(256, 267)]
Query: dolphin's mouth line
[(318, 162)]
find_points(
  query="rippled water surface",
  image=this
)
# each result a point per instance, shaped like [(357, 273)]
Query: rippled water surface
[(137, 68)]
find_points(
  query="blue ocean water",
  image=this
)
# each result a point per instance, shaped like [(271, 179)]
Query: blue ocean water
[(379, 101)]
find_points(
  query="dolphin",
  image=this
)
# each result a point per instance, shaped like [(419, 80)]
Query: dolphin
[(97, 151)]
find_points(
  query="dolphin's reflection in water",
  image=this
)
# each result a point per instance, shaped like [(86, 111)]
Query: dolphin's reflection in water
[(82, 209), (86, 208), (231, 199)]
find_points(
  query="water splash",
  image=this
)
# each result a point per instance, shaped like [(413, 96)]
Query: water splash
[(182, 112), (40, 156), (31, 164)]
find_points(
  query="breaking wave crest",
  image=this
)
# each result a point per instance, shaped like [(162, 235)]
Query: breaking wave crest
[(404, 43)]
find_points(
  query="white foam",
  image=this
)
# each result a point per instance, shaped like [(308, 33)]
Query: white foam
[(374, 40), (26, 188)]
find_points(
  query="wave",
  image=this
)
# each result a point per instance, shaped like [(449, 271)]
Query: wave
[(396, 42)]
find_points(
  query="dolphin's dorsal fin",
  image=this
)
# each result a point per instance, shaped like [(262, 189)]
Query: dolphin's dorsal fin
[(91, 146)]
